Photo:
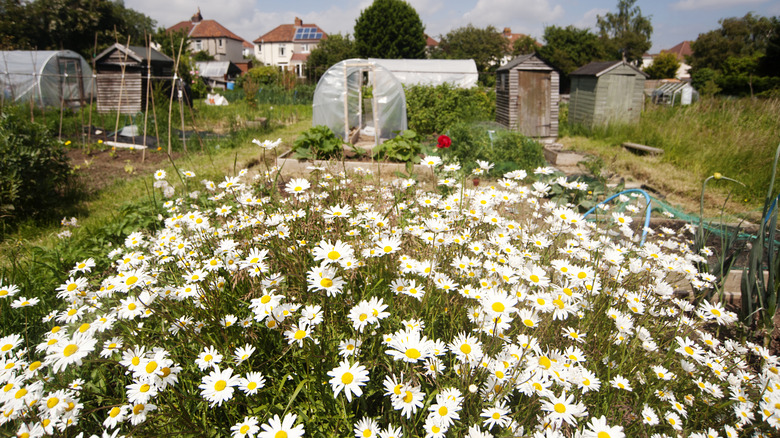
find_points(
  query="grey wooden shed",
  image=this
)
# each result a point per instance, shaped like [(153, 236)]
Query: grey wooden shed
[(606, 92), (527, 96), (123, 73)]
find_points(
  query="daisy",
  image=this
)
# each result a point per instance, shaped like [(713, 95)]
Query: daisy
[(598, 428), (349, 347), (208, 358), (218, 386), (466, 348), (71, 351), (332, 253), (621, 382), (277, 427), (348, 378), (246, 428), (496, 416), (251, 383), (242, 353), (563, 409), (297, 186), (366, 428)]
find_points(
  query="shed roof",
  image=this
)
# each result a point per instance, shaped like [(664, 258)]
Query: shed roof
[(599, 68), (137, 53), (519, 60)]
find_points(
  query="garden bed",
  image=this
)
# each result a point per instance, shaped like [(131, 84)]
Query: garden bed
[(293, 166)]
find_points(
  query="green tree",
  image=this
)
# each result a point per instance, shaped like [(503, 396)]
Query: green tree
[(485, 46), (524, 45), (84, 26), (738, 56), (569, 48), (334, 49), (665, 65), (625, 33), (390, 29)]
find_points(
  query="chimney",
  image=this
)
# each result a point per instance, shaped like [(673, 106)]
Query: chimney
[(507, 31), (197, 18), (298, 22)]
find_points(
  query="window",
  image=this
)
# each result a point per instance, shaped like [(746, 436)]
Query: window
[(305, 48), (198, 46), (259, 48), (281, 50), (219, 41)]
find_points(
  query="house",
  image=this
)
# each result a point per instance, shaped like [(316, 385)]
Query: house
[(125, 75), (430, 45), (211, 37), (527, 96), (606, 92), (288, 45), (682, 51), (511, 38)]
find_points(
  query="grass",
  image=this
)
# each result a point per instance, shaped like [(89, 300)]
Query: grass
[(736, 138)]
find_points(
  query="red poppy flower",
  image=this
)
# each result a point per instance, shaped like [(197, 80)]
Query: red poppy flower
[(443, 142)]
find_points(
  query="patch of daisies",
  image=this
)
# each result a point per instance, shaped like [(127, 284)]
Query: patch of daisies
[(450, 311)]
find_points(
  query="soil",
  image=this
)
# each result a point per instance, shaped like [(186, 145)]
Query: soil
[(101, 168)]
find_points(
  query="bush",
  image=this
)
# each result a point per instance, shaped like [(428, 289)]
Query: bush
[(508, 150), (432, 110), (34, 172), (404, 148), (318, 143)]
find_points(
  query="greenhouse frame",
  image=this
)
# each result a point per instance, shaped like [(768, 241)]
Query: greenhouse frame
[(45, 77)]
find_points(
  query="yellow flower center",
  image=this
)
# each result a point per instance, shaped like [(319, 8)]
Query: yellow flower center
[(560, 408), (69, 350), (300, 334), (114, 412), (412, 353), (465, 348), (334, 255), (498, 307), (220, 385), (347, 378), (326, 282)]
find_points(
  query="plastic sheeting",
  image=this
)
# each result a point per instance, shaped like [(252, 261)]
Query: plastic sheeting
[(47, 77), (337, 99), (458, 72)]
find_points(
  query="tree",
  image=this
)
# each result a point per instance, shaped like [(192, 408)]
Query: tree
[(390, 29), (569, 48), (665, 65), (485, 46), (736, 37), (329, 51), (738, 56), (626, 33), (75, 25), (524, 45)]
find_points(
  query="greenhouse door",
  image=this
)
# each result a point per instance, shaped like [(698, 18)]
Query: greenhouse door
[(71, 83), (533, 103)]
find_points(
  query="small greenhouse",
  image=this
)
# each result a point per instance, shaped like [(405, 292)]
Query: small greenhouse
[(674, 93), (45, 77), (359, 95)]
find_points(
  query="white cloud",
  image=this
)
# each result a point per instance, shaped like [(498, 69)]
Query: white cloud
[(526, 16), (690, 5), (588, 20)]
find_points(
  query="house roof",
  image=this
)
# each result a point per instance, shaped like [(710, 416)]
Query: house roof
[(430, 42), (680, 50), (299, 57), (599, 68), (136, 53), (204, 29), (247, 44), (285, 33), (512, 37)]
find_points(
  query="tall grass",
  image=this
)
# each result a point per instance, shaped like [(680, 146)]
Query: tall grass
[(735, 137)]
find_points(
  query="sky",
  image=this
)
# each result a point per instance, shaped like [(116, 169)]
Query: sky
[(673, 21)]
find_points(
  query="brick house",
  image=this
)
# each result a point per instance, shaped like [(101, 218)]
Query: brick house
[(288, 45), (211, 37)]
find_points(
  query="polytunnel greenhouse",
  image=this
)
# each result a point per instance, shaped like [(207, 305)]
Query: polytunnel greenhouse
[(45, 77), (357, 94)]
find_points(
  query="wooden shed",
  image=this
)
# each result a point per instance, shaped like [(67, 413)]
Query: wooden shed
[(606, 92), (527, 96), (124, 76)]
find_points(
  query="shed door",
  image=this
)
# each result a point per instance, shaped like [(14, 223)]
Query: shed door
[(620, 97), (534, 103)]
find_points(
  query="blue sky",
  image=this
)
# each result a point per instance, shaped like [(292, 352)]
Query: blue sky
[(673, 20)]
